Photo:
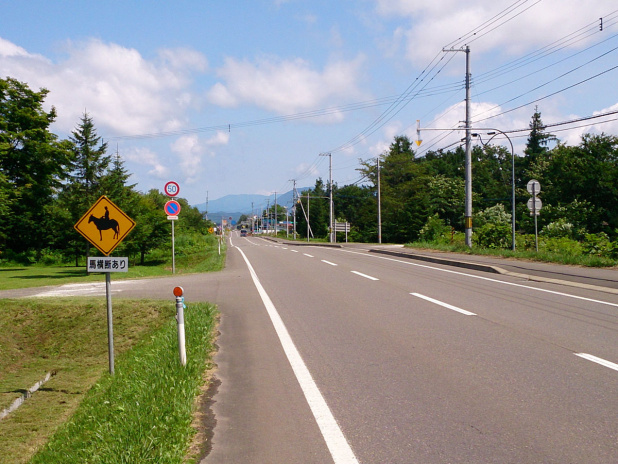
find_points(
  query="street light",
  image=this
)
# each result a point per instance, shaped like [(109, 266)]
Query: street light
[(493, 133)]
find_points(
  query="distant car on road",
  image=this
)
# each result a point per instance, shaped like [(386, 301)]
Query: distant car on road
[(243, 232)]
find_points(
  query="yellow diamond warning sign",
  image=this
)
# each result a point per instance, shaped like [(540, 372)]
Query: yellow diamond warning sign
[(104, 225)]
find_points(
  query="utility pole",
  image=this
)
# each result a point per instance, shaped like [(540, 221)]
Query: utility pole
[(294, 207), (330, 183), (276, 215), (379, 205), (308, 226), (268, 216), (468, 162)]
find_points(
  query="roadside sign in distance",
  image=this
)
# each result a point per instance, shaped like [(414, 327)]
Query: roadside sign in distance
[(534, 204), (172, 189), (172, 208), (534, 187)]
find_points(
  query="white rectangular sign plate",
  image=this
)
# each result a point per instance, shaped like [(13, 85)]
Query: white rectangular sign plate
[(107, 264)]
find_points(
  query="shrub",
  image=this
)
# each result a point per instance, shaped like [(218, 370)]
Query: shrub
[(435, 229), (494, 236), (562, 245), (597, 244), (493, 215), (559, 228)]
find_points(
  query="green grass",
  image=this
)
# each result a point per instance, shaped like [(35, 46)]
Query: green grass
[(144, 412), (193, 254), (531, 255), (68, 336)]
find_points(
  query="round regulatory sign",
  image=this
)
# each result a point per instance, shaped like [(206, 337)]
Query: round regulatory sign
[(172, 208), (534, 187), (172, 189)]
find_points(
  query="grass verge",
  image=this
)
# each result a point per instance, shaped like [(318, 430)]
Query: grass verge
[(541, 256), (141, 414), (202, 255)]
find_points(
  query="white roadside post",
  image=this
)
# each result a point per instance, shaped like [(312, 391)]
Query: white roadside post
[(180, 318)]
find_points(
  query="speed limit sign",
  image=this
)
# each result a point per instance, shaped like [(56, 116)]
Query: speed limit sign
[(172, 189)]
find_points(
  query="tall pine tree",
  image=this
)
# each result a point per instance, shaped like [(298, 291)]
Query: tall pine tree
[(537, 143), (90, 162)]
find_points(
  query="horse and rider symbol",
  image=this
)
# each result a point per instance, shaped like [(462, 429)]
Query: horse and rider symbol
[(104, 216), (105, 223)]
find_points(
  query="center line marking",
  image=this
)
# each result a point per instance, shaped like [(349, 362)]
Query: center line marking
[(446, 305), (601, 361), (364, 275), (308, 256), (328, 262)]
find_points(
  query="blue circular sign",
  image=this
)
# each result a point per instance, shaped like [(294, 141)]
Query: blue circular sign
[(172, 208)]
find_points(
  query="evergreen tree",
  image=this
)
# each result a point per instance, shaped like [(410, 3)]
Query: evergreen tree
[(33, 164), (537, 143), (90, 162), (114, 183)]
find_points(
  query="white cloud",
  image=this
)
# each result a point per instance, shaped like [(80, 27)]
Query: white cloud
[(123, 92), (285, 86), (435, 24), (306, 170), (145, 157), (191, 150)]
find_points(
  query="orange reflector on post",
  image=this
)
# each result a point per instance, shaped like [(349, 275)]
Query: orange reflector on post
[(178, 291)]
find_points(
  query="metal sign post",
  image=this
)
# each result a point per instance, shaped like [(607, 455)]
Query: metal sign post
[(110, 323), (534, 205), (172, 208), (107, 266)]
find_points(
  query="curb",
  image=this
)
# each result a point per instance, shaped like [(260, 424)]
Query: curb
[(287, 242), (496, 270), (447, 262)]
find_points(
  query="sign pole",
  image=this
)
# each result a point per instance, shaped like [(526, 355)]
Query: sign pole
[(173, 251), (110, 325), (536, 229)]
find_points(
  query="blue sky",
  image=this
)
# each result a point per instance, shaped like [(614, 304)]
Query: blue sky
[(243, 96)]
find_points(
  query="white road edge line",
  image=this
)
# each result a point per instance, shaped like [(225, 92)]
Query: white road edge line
[(328, 262), (446, 305), (335, 440), (601, 361), (364, 275), (308, 256), (472, 276)]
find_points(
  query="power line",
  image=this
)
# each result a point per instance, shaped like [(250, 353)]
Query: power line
[(545, 97)]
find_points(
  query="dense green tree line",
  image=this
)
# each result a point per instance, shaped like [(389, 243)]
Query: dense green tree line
[(47, 184), (579, 190)]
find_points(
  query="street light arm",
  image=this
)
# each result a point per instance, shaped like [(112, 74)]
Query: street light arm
[(494, 134)]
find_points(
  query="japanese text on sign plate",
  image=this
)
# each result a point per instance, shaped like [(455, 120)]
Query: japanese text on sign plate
[(99, 264)]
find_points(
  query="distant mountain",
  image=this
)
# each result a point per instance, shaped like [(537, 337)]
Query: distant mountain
[(236, 205)]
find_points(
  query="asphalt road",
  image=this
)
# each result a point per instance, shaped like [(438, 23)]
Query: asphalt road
[(340, 355), (408, 380)]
